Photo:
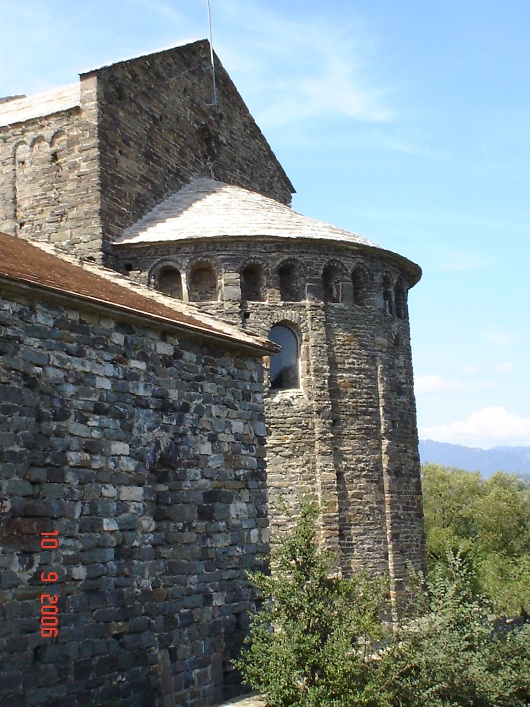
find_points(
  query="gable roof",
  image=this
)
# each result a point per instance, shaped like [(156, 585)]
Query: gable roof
[(23, 264)]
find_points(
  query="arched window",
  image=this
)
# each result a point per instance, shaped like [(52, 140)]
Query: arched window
[(400, 298), (361, 287), (285, 366), (332, 282), (292, 285), (252, 283), (169, 281), (388, 297), (203, 283)]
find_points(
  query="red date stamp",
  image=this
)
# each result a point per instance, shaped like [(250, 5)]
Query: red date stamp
[(49, 611)]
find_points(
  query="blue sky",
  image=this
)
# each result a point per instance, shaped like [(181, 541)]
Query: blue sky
[(407, 122)]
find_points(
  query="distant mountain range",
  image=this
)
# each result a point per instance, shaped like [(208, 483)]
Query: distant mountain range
[(487, 461)]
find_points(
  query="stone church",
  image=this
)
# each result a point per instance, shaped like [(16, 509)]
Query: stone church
[(182, 357)]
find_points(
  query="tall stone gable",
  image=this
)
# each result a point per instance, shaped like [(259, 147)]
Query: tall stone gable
[(158, 129), (84, 163)]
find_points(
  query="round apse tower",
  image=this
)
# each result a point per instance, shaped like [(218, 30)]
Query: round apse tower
[(341, 419)]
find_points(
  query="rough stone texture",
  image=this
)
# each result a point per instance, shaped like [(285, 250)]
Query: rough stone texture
[(49, 174), (79, 176), (145, 452), (180, 135), (348, 436)]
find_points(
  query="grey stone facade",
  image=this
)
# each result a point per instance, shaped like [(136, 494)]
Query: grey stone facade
[(97, 157), (136, 170), (348, 435), (142, 445)]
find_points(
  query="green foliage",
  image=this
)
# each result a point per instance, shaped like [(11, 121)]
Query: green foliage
[(312, 642), (323, 641), (485, 521), (455, 653)]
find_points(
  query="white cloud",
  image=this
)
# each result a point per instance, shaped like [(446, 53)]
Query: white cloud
[(301, 68), (471, 370), (504, 367), (499, 337), (486, 428), (434, 384)]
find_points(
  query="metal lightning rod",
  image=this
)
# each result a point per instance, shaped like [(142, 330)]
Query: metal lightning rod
[(211, 55)]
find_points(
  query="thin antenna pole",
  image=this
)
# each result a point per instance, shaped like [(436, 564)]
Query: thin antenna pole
[(211, 55)]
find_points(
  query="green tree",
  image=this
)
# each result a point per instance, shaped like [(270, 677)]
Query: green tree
[(453, 652), (323, 641), (312, 642), (485, 521)]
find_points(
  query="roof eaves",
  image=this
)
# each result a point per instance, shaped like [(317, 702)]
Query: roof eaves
[(26, 286)]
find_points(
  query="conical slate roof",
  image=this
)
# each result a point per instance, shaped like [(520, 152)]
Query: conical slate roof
[(206, 208)]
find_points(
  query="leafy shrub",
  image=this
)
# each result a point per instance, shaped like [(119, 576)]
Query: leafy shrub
[(311, 644), (455, 653), (485, 521), (324, 641)]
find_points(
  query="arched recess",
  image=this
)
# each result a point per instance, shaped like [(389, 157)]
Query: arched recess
[(169, 281), (58, 148), (388, 295), (400, 299), (332, 281), (292, 281), (361, 287), (203, 283), (285, 365), (252, 283)]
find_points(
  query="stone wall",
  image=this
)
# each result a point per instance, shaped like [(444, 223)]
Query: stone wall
[(158, 129), (49, 177), (348, 437), (142, 130), (145, 451)]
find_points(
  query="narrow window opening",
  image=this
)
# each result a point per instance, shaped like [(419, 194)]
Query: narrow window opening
[(169, 281), (292, 284), (361, 291), (285, 365), (400, 297), (203, 284), (252, 284), (332, 282)]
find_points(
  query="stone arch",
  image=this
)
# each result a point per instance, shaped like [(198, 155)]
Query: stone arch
[(169, 281), (333, 276), (291, 279), (203, 282), (21, 152), (400, 299), (252, 282), (361, 286), (285, 365), (39, 148), (165, 268), (388, 295), (58, 148)]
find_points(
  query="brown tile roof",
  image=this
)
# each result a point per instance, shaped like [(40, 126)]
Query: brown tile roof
[(23, 262)]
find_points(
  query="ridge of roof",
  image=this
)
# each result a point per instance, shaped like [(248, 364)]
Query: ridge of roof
[(207, 208), (40, 265)]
